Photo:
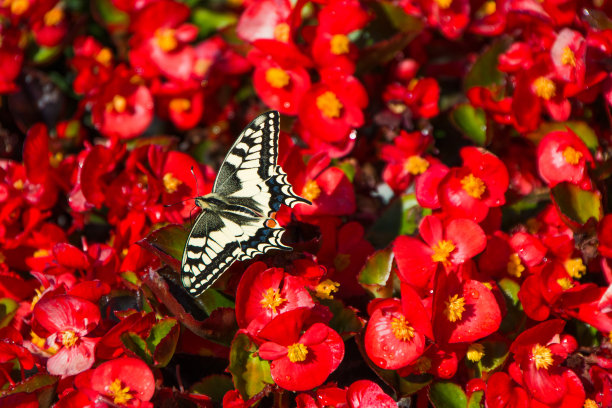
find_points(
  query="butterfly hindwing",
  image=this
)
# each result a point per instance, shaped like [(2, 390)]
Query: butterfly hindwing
[(237, 219)]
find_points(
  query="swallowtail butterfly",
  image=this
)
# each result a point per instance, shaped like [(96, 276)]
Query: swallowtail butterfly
[(237, 219)]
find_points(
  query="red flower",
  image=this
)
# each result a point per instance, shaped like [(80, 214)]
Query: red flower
[(264, 293), (182, 103), (391, 339), (421, 96), (451, 17), (161, 41), (65, 321), (124, 108), (502, 392), (48, 23), (562, 156), (92, 63), (280, 78), (568, 56), (331, 109), (365, 394), (124, 382), (266, 19), (405, 159), (331, 46), (302, 358), (470, 191), (453, 244), (11, 57)]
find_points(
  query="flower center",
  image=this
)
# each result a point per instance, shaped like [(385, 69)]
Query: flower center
[(473, 185), (565, 283), (171, 183), (515, 267), (571, 155), (69, 338), (339, 44), (18, 184), (165, 39), (575, 267), (104, 56), (120, 395), (401, 329), (329, 105), (297, 352), (444, 4), (272, 299), (277, 77), (542, 356), (118, 104), (342, 261), (180, 104), (589, 403), (53, 17), (18, 7), (326, 288), (544, 88), (311, 190), (416, 165), (568, 57), (455, 306), (442, 250), (201, 66), (489, 8), (281, 32), (475, 352)]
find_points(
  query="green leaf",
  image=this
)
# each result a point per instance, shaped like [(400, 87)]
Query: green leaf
[(345, 319), (495, 355), (249, 372), (580, 128), (215, 386), (484, 72), (576, 204), (515, 318), (162, 340), (43, 55), (471, 122), (41, 384), (212, 299), (475, 400), (445, 394), (8, 308), (349, 169), (209, 21), (400, 218), (110, 15), (137, 345), (376, 273), (168, 243)]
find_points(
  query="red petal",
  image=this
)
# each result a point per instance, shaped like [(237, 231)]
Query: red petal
[(65, 312), (414, 262), (73, 360), (132, 372)]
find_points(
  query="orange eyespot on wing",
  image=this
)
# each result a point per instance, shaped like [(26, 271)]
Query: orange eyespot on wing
[(271, 223)]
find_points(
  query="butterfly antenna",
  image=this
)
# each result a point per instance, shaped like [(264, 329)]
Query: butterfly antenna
[(178, 202), (196, 181)]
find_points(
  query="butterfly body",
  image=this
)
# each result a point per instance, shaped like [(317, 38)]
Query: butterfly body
[(237, 219)]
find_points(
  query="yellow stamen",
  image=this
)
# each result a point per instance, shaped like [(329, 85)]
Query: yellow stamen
[(342, 261), (575, 267), (104, 56), (53, 17), (56, 159), (171, 183), (18, 184), (329, 105), (41, 344), (544, 88), (339, 44), (118, 104), (489, 8), (571, 155), (201, 66), (475, 352), (41, 253), (18, 7), (542, 356), (69, 338), (297, 352), (568, 57), (272, 299), (120, 395), (282, 32), (515, 267), (444, 4), (589, 403), (473, 185), (180, 104), (325, 289), (277, 77), (165, 39), (455, 306), (442, 250), (416, 165), (565, 283), (401, 329), (311, 190)]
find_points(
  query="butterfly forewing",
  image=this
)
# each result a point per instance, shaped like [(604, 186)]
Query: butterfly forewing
[(236, 222)]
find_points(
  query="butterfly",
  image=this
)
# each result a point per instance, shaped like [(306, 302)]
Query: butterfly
[(237, 218)]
